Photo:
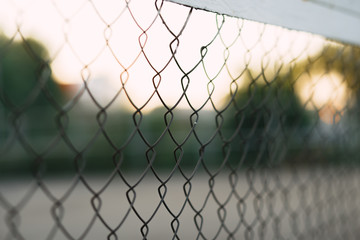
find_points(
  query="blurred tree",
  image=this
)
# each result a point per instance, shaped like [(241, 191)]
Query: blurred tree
[(29, 101), (268, 119), (340, 58), (25, 74), (259, 103), (345, 61)]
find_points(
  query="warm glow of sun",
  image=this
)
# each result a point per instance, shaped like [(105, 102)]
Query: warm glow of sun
[(326, 93), (83, 47)]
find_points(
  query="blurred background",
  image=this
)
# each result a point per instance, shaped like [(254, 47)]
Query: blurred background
[(115, 91)]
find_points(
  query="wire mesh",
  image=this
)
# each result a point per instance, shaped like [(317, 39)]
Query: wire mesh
[(150, 120)]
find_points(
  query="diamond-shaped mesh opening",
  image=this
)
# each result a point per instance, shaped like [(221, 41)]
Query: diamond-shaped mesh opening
[(150, 120)]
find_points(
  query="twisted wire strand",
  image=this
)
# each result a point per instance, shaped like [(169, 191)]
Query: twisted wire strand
[(270, 162)]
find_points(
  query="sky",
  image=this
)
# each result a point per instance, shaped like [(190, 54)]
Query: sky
[(107, 44)]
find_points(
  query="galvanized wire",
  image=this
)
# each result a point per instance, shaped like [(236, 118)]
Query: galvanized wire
[(268, 152)]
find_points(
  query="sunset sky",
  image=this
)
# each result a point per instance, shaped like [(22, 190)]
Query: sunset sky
[(76, 34)]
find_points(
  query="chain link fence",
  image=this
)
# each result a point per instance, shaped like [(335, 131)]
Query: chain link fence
[(150, 120)]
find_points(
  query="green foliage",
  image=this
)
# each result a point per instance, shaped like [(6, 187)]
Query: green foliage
[(25, 74), (268, 119), (269, 105), (262, 104), (265, 122), (29, 101)]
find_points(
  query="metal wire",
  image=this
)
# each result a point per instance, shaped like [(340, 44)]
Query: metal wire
[(196, 126)]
